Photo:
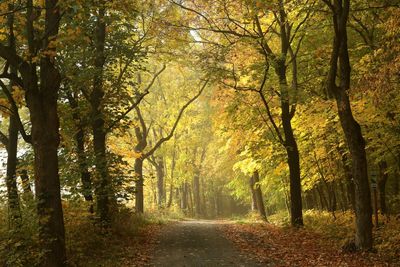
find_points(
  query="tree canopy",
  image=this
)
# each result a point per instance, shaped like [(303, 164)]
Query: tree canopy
[(205, 109)]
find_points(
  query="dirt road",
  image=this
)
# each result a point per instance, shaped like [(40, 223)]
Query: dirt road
[(197, 243)]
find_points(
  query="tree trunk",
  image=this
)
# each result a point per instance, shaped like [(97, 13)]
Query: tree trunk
[(141, 136), (293, 158), (190, 202), (42, 104), (258, 194), (139, 185), (172, 178), (343, 197), (382, 179), (85, 174), (11, 178), (309, 200), (160, 181), (334, 199), (47, 184), (322, 198), (356, 145), (203, 205), (102, 185), (196, 193), (253, 194), (26, 186), (79, 136), (396, 183), (41, 98), (340, 67), (217, 202), (184, 197), (12, 147), (349, 180), (171, 195)]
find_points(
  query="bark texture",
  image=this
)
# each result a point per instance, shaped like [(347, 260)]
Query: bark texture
[(102, 184), (340, 67), (382, 179), (258, 195)]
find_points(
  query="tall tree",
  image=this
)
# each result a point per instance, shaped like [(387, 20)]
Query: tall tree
[(142, 132), (255, 186), (102, 184), (12, 139), (41, 91), (340, 70), (236, 29)]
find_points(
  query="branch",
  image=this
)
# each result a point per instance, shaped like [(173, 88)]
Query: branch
[(4, 140), (14, 107), (137, 102), (299, 26), (295, 82), (270, 117), (142, 123), (171, 133), (11, 12), (213, 27), (152, 161), (267, 50), (376, 7), (330, 5), (12, 77), (264, 101), (12, 58)]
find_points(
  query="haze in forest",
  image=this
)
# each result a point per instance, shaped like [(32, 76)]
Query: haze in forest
[(186, 133)]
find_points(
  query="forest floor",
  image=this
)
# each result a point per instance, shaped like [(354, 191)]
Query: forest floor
[(283, 246), (229, 243), (198, 243)]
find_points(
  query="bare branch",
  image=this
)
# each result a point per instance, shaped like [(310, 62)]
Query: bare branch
[(15, 112), (171, 133), (12, 58), (137, 102), (4, 140)]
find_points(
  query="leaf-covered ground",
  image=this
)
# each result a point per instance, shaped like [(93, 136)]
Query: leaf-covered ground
[(118, 249), (277, 246), (128, 242), (138, 253)]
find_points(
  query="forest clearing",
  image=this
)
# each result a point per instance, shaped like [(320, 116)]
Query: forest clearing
[(199, 133)]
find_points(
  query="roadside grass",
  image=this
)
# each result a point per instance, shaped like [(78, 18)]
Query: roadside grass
[(127, 242)]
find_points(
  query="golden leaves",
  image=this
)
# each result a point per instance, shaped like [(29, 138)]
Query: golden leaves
[(18, 95), (4, 107)]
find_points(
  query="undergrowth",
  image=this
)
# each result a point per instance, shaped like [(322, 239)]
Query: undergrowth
[(163, 215), (340, 229), (87, 243)]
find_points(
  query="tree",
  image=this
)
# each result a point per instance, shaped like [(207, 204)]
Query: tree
[(11, 140), (141, 134), (340, 67), (237, 29), (255, 186), (41, 91)]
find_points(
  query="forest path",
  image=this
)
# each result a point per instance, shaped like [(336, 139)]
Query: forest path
[(197, 243)]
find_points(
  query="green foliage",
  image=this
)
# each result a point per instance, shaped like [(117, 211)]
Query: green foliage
[(225, 135), (89, 243), (19, 247), (340, 228)]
